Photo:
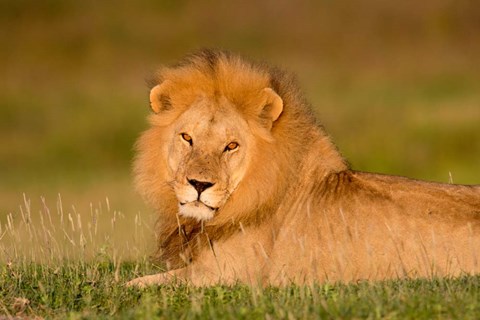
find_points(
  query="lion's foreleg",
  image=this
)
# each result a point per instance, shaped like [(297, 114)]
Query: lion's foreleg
[(177, 276)]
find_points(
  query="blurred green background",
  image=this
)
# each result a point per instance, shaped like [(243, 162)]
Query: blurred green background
[(396, 83)]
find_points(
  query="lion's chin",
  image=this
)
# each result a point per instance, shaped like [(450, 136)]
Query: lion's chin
[(197, 210)]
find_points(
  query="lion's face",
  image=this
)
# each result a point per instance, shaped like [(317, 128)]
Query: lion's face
[(203, 153), (208, 155)]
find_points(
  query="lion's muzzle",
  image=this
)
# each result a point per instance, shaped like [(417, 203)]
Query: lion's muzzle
[(200, 186)]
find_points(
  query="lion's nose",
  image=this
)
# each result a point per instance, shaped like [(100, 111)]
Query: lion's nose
[(200, 186)]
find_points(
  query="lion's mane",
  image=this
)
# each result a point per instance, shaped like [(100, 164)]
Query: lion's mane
[(274, 168)]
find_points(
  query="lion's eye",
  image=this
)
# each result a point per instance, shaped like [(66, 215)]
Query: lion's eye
[(187, 138), (231, 146)]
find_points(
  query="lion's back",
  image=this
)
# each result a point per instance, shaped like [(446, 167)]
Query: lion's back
[(353, 225)]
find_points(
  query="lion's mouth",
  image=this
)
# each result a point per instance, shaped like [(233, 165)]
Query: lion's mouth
[(198, 204), (197, 209)]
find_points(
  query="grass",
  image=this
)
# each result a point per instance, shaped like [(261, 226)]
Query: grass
[(80, 290), (64, 264), (398, 91)]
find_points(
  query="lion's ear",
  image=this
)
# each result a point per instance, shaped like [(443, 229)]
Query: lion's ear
[(159, 98), (272, 106)]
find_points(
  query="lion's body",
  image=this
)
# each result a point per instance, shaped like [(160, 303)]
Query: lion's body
[(279, 203)]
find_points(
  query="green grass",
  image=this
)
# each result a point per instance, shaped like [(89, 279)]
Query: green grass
[(62, 263), (398, 91), (80, 290)]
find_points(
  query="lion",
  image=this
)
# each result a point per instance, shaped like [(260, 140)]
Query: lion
[(250, 189)]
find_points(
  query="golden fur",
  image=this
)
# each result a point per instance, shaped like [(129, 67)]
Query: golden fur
[(280, 204)]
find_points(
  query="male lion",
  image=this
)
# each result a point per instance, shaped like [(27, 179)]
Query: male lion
[(249, 188)]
